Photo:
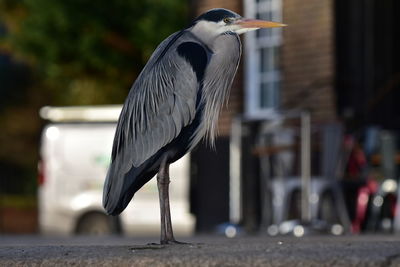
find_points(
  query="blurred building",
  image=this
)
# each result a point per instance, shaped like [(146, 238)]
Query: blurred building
[(336, 59)]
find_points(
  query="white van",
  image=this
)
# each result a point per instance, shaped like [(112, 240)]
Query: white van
[(75, 153)]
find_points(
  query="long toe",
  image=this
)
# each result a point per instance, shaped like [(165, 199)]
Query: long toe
[(174, 242)]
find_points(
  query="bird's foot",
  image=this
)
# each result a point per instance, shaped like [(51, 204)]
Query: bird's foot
[(150, 246), (174, 242)]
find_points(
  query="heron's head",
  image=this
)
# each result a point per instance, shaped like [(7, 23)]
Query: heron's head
[(218, 21)]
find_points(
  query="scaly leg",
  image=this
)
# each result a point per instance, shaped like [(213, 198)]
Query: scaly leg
[(168, 225), (161, 195), (163, 180)]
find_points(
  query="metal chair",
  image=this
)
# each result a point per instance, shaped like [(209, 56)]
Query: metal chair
[(282, 185)]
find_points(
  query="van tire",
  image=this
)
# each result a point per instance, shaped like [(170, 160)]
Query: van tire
[(97, 223)]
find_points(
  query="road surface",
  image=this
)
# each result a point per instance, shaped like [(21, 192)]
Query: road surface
[(204, 251)]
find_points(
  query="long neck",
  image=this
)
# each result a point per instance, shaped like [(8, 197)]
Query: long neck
[(217, 82)]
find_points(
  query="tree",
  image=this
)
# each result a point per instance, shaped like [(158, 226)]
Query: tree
[(79, 52), (89, 52)]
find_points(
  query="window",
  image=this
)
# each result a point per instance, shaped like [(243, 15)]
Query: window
[(262, 50)]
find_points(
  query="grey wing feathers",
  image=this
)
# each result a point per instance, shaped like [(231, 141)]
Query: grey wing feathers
[(160, 103)]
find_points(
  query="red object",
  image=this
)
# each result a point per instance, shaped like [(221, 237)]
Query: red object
[(357, 161), (364, 194)]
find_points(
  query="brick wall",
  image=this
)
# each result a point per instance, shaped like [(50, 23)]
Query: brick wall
[(235, 105), (308, 57)]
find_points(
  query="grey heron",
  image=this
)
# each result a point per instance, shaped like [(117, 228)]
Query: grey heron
[(173, 104)]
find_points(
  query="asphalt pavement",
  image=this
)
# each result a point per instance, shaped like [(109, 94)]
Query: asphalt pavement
[(372, 250)]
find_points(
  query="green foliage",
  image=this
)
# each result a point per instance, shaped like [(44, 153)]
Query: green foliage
[(69, 52), (89, 52)]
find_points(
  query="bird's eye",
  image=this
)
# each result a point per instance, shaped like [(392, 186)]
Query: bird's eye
[(227, 20)]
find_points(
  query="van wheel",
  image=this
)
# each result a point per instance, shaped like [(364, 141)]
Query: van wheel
[(97, 224)]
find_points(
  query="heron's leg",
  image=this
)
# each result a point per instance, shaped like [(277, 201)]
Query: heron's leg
[(168, 226), (163, 180), (161, 194)]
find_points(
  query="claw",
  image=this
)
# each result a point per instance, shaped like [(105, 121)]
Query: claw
[(173, 242)]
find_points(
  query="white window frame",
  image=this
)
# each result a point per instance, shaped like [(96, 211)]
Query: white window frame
[(253, 45)]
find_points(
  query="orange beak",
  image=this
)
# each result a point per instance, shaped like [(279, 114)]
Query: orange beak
[(255, 23)]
